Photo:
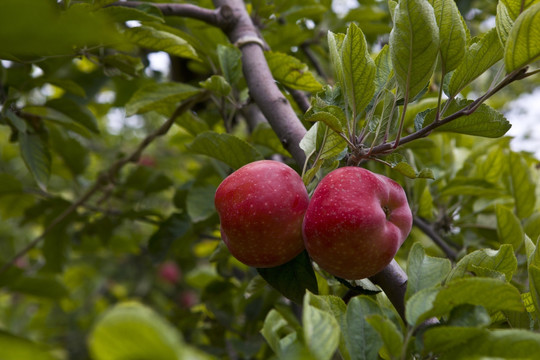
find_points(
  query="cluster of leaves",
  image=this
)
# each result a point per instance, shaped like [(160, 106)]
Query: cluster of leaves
[(103, 216)]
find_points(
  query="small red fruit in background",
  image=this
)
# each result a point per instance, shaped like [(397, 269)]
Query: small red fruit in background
[(261, 207), (356, 222), (169, 272)]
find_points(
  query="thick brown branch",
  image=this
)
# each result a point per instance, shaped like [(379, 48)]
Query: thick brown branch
[(261, 84), (106, 177)]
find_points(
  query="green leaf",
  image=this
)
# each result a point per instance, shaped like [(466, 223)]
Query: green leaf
[(162, 97), (362, 340), (516, 7), (217, 84), (335, 43), (293, 278), (160, 39), (392, 338), (337, 307), (522, 186), (494, 164), (399, 163), (123, 14), (42, 286), (193, 124), (383, 64), (471, 187), (451, 33), (414, 45), (61, 32), (482, 54), (490, 293), (134, 331), (65, 84), (264, 135), (503, 22), (444, 338), (329, 119), (230, 61), (509, 228), (74, 112), (36, 156), (119, 64), (321, 332), (502, 260), (500, 343), (230, 149), (15, 347), (484, 121), (424, 271), (200, 202), (291, 72), (522, 46), (358, 70), (9, 184), (281, 338), (534, 278), (173, 228)]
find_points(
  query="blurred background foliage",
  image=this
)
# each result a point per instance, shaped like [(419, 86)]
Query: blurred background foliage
[(151, 234)]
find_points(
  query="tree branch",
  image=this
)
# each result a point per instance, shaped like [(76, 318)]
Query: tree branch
[(220, 17), (437, 239), (106, 176), (261, 84)]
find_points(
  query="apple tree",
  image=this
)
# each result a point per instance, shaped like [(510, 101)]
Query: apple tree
[(120, 120)]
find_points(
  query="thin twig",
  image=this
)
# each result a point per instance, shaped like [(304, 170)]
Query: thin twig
[(106, 176), (437, 239)]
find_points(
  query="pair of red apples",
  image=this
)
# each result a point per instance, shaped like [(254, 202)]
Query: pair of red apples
[(352, 227)]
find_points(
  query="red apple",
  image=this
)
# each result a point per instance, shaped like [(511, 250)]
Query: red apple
[(355, 223), (169, 272), (261, 207)]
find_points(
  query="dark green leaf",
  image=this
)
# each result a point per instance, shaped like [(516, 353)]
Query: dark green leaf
[(176, 226), (217, 84), (483, 53), (484, 121), (522, 186), (358, 70), (522, 46), (362, 340), (424, 271), (451, 33), (161, 97), (159, 38), (502, 260), (293, 278), (490, 293), (40, 286), (321, 331), (509, 228), (200, 202), (291, 72), (36, 156), (230, 149), (14, 347), (230, 60), (123, 14), (392, 338), (414, 45), (264, 135), (75, 112)]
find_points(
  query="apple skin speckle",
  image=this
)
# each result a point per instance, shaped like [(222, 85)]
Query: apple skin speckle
[(261, 207), (355, 223)]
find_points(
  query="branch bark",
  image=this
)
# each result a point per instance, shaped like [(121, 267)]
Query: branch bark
[(262, 88), (220, 17), (437, 239)]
